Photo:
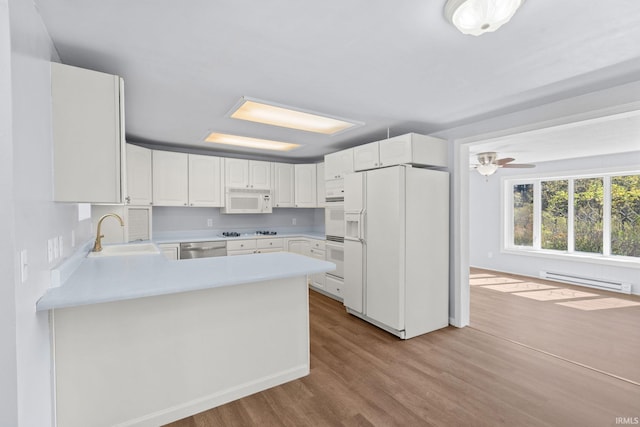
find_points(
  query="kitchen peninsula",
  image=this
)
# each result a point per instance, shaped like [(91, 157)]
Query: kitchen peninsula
[(142, 340)]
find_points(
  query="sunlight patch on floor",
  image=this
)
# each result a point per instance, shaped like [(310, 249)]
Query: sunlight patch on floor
[(599, 304), (522, 286), (554, 294), (491, 280)]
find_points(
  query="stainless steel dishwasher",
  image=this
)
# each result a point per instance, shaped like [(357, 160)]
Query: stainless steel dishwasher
[(203, 249)]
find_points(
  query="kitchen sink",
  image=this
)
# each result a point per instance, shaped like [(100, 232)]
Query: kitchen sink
[(126, 250)]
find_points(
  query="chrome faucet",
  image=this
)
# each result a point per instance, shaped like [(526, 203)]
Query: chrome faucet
[(97, 246)]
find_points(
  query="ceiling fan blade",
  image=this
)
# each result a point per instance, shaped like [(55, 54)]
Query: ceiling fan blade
[(518, 166), (504, 161)]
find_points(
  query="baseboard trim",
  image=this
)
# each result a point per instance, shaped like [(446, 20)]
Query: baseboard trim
[(204, 403)]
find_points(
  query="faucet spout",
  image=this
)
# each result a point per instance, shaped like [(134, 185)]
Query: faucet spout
[(97, 246)]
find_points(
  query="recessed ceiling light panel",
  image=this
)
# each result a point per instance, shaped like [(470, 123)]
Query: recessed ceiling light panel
[(247, 142), (270, 113)]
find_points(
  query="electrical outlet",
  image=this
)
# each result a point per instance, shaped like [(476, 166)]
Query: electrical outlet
[(209, 222), (24, 273), (50, 250), (293, 221)]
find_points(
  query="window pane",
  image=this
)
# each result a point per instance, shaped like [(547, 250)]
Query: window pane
[(625, 215), (588, 199), (523, 215), (555, 210)]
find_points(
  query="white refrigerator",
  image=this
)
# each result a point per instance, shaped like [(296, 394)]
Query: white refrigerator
[(396, 249)]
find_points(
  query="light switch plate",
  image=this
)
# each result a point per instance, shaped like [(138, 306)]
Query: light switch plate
[(50, 250), (56, 248), (60, 246)]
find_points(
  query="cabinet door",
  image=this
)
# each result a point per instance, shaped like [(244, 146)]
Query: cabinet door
[(283, 185), (335, 164), (205, 180), (236, 173), (320, 187), (170, 178), (139, 187), (88, 139), (260, 175), (396, 150), (299, 246), (317, 279), (366, 157), (170, 250), (305, 187)]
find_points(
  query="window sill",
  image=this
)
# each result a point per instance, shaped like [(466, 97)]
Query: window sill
[(591, 259)]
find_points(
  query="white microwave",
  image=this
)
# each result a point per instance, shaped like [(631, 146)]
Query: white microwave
[(247, 201)]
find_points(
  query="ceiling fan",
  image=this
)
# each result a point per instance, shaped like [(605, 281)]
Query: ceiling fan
[(488, 163)]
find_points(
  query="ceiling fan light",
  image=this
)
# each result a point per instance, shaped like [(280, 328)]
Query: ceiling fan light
[(487, 169), (477, 17)]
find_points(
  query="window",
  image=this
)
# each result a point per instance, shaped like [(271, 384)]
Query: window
[(596, 215)]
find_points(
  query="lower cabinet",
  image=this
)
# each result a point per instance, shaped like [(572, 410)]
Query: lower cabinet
[(317, 280), (170, 250), (333, 285), (254, 246)]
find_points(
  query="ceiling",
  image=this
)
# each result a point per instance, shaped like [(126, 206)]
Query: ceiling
[(396, 66)]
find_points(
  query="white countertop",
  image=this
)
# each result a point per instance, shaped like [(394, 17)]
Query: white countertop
[(206, 236), (109, 279)]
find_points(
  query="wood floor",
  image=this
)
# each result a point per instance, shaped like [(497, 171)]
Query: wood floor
[(572, 322), (362, 376)]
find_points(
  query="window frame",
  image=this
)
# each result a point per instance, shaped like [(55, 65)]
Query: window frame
[(507, 217)]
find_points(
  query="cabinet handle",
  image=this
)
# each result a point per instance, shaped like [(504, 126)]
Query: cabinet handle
[(151, 203), (242, 246), (185, 204), (271, 243), (127, 199), (191, 204)]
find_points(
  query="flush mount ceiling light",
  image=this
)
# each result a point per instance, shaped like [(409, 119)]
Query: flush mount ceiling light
[(269, 113), (247, 142), (477, 17)]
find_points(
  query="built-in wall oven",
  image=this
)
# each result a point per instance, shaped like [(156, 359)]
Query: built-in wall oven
[(334, 246), (334, 219), (334, 252)]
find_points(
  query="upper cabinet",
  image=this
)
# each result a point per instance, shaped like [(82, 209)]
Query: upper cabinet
[(240, 173), (415, 149), (305, 186), (170, 178), (410, 148), (338, 164), (366, 156), (283, 185), (88, 135), (139, 180), (205, 181)]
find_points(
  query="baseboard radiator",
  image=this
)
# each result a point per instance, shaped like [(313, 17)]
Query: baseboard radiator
[(592, 282)]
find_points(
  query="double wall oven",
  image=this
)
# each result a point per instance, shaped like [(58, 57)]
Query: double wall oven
[(334, 231)]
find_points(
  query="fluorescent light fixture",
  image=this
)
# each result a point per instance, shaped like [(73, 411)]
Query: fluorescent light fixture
[(247, 142), (269, 113), (477, 17)]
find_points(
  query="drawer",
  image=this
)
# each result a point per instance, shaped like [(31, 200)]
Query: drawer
[(317, 253), (237, 245), (317, 244), (241, 252), (268, 250), (333, 285), (270, 243)]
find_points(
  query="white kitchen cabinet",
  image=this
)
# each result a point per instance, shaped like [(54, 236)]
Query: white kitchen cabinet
[(139, 190), (283, 185), (320, 187), (317, 280), (366, 156), (205, 181), (305, 186), (170, 178), (88, 135), (240, 173), (171, 251), (254, 246), (299, 245), (334, 285), (413, 148), (338, 164)]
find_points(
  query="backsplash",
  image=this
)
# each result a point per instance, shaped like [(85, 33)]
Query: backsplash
[(189, 218)]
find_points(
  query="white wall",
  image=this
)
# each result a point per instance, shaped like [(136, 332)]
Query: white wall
[(29, 214), (188, 219), (485, 223), (8, 362)]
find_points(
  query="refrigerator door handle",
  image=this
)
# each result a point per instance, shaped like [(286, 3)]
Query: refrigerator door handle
[(363, 226)]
